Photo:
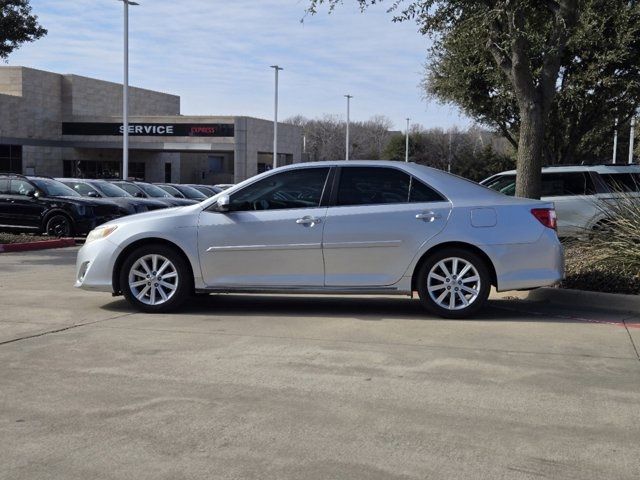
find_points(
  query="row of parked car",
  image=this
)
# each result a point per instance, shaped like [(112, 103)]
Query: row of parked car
[(65, 207)]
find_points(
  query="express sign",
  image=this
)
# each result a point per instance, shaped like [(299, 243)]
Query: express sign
[(150, 129)]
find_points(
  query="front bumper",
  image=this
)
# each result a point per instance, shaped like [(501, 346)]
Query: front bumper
[(95, 264)]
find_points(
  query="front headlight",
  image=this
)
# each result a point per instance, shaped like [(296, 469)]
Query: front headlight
[(100, 232)]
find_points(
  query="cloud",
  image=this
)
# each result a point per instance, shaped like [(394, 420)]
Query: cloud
[(216, 55)]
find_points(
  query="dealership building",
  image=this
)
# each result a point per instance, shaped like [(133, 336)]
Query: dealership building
[(71, 126)]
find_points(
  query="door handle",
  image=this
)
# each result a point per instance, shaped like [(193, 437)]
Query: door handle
[(428, 216), (308, 221)]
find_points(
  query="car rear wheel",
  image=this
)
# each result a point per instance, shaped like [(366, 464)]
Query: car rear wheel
[(155, 279), (59, 226), (454, 283)]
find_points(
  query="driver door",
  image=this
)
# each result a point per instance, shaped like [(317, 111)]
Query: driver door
[(272, 234)]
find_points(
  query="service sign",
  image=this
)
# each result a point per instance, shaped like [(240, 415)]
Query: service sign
[(150, 129)]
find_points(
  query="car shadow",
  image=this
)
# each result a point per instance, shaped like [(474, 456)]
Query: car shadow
[(361, 308)]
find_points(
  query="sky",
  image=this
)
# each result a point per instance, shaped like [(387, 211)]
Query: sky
[(216, 55)]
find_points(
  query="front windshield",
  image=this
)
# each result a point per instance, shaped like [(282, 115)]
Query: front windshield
[(153, 191), (111, 190), (192, 193), (173, 191), (504, 184), (54, 188), (130, 188)]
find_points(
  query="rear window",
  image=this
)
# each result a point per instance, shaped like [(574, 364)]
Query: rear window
[(622, 182), (569, 183)]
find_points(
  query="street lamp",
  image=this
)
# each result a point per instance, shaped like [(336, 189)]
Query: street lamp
[(348, 97), (125, 92), (275, 119), (406, 147)]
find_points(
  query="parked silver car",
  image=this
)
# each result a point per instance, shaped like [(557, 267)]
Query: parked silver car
[(357, 227)]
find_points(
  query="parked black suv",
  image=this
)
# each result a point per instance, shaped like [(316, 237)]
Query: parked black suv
[(44, 205)]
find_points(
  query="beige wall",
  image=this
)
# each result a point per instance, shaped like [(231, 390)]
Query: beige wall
[(88, 96)]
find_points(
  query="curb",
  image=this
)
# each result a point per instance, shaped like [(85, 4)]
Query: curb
[(576, 298), (40, 245)]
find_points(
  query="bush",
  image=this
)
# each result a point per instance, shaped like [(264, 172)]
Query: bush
[(608, 258)]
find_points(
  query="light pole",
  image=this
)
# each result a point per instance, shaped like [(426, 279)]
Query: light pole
[(125, 92), (348, 97), (275, 119), (406, 147)]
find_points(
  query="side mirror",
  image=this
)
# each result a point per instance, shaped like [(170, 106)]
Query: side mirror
[(139, 195), (93, 195), (32, 194), (222, 205)]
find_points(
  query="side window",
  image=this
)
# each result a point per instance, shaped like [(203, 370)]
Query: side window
[(299, 188), (420, 193), (372, 185), (622, 182), (21, 187), (560, 184), (4, 186)]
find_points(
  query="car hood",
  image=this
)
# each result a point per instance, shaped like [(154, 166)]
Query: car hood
[(163, 213)]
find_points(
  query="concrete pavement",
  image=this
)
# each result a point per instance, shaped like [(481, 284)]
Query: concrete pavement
[(273, 387)]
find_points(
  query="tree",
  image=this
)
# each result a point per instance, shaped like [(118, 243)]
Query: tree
[(473, 154), (17, 26), (598, 80), (526, 40), (326, 136)]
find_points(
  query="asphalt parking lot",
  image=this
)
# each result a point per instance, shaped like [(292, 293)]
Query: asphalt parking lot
[(270, 387)]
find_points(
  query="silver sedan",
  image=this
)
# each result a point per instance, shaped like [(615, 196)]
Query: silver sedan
[(357, 227)]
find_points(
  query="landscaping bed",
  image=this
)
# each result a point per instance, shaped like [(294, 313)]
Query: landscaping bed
[(8, 238), (583, 272)]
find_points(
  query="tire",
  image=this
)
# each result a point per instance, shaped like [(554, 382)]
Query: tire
[(58, 225), (160, 290), (473, 288)]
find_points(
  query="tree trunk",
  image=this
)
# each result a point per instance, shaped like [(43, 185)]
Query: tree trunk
[(529, 165)]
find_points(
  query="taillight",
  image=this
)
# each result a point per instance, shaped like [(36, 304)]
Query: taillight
[(546, 216)]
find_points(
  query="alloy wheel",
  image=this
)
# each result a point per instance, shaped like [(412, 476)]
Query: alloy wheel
[(453, 283), (153, 279)]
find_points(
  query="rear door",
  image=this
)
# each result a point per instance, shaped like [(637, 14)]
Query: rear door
[(379, 218)]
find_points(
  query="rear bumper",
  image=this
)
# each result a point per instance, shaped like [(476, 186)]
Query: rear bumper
[(530, 265), (94, 266)]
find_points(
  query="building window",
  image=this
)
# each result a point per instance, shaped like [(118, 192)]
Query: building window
[(101, 169), (11, 158)]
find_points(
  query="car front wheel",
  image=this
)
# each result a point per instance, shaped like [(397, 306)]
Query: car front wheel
[(59, 226), (454, 283), (155, 279)]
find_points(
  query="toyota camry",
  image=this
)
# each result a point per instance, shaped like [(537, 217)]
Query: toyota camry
[(343, 227)]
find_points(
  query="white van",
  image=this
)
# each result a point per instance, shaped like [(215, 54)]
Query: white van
[(580, 193)]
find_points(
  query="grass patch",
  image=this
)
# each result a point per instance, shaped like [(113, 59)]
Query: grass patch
[(608, 259)]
